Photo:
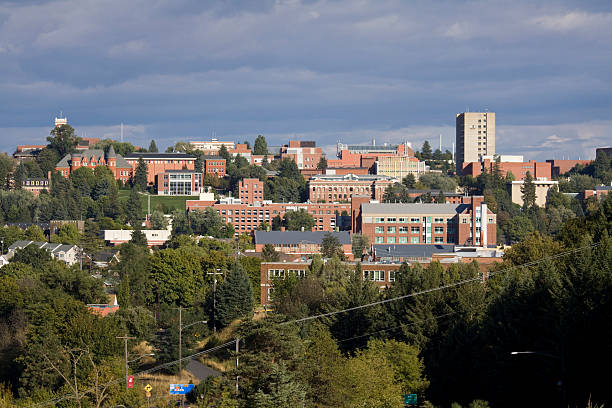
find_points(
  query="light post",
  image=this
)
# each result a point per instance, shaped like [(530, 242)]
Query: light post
[(181, 327), (561, 382), (215, 297)]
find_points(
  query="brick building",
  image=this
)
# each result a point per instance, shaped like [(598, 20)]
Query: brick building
[(92, 158), (247, 218), (160, 162), (305, 154), (399, 166), (459, 224), (25, 153), (518, 169), (250, 190), (560, 167), (36, 185), (381, 274), (365, 156), (599, 193), (301, 242), (214, 165), (178, 182), (333, 188)]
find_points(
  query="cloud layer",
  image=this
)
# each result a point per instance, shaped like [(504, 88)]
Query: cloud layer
[(326, 70)]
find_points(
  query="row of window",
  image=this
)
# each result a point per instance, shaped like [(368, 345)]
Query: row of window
[(412, 240), (375, 276), (413, 220), (413, 230)]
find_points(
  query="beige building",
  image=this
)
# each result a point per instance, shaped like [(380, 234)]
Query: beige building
[(542, 186), (475, 137), (399, 166)]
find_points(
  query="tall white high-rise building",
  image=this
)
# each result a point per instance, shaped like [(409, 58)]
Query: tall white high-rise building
[(475, 137)]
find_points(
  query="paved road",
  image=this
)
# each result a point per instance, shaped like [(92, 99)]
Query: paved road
[(200, 370)]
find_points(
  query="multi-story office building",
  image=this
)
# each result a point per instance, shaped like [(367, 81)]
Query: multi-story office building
[(250, 190), (214, 165), (459, 224), (305, 154), (330, 188), (475, 137), (247, 218), (160, 162), (399, 166), (179, 182)]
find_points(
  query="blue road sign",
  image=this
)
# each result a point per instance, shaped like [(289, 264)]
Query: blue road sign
[(180, 389), (410, 399)]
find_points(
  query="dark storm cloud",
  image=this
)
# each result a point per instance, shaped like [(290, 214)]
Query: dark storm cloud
[(179, 70)]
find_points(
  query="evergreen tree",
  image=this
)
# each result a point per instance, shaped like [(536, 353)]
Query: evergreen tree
[(299, 220), (409, 181), (529, 192), (138, 237), (133, 208), (269, 253), (330, 246), (322, 165), (141, 175), (123, 297), (234, 296), (441, 198), (261, 146), (426, 152), (153, 147), (225, 154)]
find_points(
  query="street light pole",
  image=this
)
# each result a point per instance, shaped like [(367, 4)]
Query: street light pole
[(214, 298), (125, 341)]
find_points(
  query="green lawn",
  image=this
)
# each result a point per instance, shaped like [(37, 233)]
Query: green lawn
[(164, 203)]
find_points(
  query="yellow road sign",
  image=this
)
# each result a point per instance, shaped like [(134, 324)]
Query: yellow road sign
[(148, 388)]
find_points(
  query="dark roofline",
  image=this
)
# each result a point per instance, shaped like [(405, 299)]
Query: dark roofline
[(149, 155)]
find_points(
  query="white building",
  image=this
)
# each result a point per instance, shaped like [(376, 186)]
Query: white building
[(541, 189), (154, 237)]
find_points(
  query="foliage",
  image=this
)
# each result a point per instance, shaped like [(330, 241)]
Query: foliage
[(63, 140), (234, 296), (140, 180), (260, 147), (299, 220), (359, 245), (529, 192), (153, 147), (269, 253), (330, 246), (158, 221), (67, 234), (133, 208)]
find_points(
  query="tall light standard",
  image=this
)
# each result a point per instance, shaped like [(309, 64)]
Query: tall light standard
[(181, 327), (561, 382), (218, 272)]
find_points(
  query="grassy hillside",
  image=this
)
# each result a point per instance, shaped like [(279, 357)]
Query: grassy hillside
[(167, 204)]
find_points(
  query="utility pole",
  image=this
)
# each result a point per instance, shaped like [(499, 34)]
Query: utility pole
[(125, 341), (214, 298), (237, 350), (181, 350)]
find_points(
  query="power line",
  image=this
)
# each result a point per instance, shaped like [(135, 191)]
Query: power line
[(450, 285)]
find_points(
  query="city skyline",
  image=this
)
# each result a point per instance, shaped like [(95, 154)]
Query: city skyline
[(323, 71)]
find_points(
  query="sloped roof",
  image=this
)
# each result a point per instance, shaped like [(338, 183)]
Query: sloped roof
[(411, 208), (411, 250)]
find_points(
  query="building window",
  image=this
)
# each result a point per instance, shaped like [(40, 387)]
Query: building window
[(415, 230), (403, 230), (439, 230), (391, 230), (439, 240), (390, 240), (380, 230), (391, 276), (403, 240), (276, 273), (378, 276), (414, 240), (380, 240)]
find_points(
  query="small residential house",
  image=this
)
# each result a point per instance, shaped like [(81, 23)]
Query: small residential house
[(66, 253)]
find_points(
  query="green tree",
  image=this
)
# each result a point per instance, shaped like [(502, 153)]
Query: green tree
[(138, 237), (67, 234), (426, 152), (277, 223), (409, 181), (529, 191), (153, 147), (32, 255), (359, 245), (225, 154), (158, 220), (63, 140), (269, 253), (322, 165), (133, 208), (261, 146), (7, 164), (35, 233), (234, 296), (298, 220), (140, 181), (47, 159), (331, 246)]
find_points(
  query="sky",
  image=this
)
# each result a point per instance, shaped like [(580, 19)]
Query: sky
[(328, 71)]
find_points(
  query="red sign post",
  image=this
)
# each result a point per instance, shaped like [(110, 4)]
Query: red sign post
[(130, 381)]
